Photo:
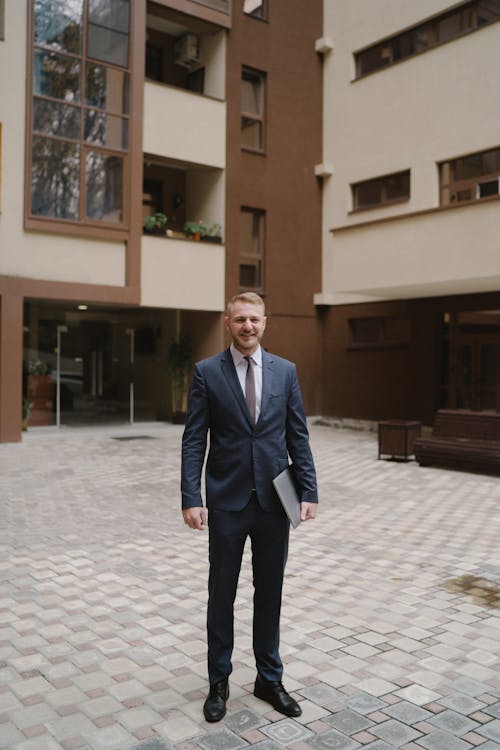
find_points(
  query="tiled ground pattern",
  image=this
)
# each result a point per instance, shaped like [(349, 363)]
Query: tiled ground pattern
[(391, 620)]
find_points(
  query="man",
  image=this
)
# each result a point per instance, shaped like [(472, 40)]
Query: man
[(249, 401)]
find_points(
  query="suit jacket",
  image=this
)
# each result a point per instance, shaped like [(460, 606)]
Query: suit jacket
[(242, 457)]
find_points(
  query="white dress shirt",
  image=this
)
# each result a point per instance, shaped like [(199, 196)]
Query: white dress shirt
[(241, 370)]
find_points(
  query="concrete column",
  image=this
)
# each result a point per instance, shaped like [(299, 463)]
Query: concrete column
[(11, 357)]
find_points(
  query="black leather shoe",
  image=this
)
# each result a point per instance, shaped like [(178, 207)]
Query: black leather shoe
[(275, 694), (214, 708)]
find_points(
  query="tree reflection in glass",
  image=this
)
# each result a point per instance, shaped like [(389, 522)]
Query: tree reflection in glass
[(57, 76), (58, 24), (106, 88), (51, 118), (55, 186), (104, 187)]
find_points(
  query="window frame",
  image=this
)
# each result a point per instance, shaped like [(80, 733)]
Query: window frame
[(2, 20), (255, 117), (383, 181), (255, 259), (449, 184), (263, 15), (83, 225), (381, 324), (391, 49)]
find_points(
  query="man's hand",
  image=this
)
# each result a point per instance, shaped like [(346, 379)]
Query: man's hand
[(195, 518), (307, 511)]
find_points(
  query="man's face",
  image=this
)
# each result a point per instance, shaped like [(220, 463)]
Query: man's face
[(246, 323)]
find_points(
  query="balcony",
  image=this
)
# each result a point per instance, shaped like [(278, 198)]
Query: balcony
[(184, 126), (182, 274), (429, 253)]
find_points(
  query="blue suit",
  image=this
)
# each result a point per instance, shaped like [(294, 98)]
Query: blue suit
[(242, 461)]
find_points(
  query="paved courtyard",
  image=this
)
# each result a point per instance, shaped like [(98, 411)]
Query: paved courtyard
[(391, 618)]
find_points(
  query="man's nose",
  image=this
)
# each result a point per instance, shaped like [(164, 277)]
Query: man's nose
[(247, 324)]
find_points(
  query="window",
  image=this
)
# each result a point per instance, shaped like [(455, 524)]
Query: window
[(373, 332), (255, 8), (252, 109), (381, 191), (251, 248), (80, 110), (443, 28), (470, 178)]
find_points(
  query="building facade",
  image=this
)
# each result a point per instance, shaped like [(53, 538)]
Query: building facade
[(411, 162), (115, 114), (340, 158)]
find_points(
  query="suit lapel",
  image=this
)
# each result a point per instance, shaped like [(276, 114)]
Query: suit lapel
[(231, 377), (267, 379)]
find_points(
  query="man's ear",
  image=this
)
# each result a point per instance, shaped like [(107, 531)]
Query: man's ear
[(226, 322)]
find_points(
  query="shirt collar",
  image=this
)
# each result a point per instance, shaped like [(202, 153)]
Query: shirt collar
[(238, 357)]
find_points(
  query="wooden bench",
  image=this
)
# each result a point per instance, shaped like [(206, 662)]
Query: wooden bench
[(462, 439)]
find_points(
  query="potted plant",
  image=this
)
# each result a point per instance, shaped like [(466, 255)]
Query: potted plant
[(155, 224), (214, 233), (195, 230), (179, 365)]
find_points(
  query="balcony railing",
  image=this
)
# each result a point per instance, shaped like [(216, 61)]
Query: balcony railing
[(168, 270)]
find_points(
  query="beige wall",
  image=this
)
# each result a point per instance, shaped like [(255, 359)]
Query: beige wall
[(438, 253), (213, 53), (184, 126), (435, 106), (36, 255), (182, 274)]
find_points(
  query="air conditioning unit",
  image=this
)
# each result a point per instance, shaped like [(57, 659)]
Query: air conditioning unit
[(187, 51)]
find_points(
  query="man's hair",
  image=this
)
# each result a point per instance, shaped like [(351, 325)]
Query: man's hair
[(252, 297)]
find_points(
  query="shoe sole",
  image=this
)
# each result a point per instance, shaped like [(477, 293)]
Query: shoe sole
[(279, 710), (214, 721)]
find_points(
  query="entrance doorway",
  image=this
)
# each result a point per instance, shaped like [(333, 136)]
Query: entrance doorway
[(478, 375), (92, 366), (474, 373)]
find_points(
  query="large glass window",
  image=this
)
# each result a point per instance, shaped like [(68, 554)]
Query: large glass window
[(470, 178), (80, 110), (251, 248), (381, 191), (252, 109), (443, 28)]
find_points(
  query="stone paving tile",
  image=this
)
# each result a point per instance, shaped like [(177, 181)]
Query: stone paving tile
[(453, 722), (103, 593), (349, 722), (443, 741)]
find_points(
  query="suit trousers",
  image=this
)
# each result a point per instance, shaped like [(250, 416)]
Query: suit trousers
[(268, 533)]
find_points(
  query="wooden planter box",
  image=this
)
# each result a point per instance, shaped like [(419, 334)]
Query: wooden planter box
[(396, 438)]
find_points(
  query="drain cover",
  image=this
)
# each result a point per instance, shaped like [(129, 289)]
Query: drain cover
[(134, 437)]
